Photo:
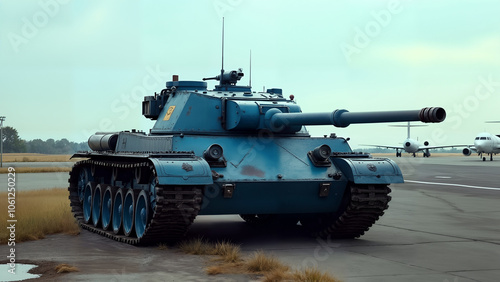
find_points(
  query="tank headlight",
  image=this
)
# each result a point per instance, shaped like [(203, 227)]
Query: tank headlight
[(322, 153), (320, 156), (213, 153)]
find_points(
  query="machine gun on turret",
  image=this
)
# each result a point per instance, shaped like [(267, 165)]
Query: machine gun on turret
[(228, 77)]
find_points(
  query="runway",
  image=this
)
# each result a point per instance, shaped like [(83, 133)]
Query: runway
[(38, 181), (445, 229)]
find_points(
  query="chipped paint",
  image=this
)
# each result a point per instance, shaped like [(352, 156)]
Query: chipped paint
[(187, 167)]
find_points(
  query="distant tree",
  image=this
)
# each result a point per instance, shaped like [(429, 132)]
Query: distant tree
[(11, 141), (36, 146), (50, 146), (13, 144), (62, 146)]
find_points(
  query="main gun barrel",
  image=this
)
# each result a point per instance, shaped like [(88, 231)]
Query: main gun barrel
[(278, 121)]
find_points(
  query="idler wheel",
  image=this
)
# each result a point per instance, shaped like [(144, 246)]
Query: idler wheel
[(87, 202), (142, 213), (118, 211), (96, 204), (107, 207)]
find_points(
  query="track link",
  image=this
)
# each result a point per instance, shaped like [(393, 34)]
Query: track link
[(176, 207), (366, 205)]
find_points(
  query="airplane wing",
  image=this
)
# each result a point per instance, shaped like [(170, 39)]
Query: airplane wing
[(384, 146), (472, 148), (439, 147)]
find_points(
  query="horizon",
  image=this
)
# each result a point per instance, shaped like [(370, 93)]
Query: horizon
[(71, 69)]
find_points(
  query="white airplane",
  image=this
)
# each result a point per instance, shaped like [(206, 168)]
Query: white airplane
[(413, 146), (485, 143)]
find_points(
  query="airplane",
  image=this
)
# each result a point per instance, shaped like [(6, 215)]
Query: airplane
[(484, 143), (412, 146)]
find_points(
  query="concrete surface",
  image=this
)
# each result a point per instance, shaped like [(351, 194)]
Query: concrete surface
[(39, 164), (37, 181), (431, 232)]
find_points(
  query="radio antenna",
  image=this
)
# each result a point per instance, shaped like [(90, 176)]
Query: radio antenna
[(250, 78), (222, 68)]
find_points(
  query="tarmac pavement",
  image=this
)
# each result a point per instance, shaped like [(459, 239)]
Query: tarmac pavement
[(443, 224)]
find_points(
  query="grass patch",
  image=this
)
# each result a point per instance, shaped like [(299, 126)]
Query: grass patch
[(37, 169), (312, 275), (32, 157), (260, 263), (39, 213), (230, 261), (65, 268), (197, 246), (162, 246), (226, 251)]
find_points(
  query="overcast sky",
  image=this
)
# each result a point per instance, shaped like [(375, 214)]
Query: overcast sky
[(71, 68)]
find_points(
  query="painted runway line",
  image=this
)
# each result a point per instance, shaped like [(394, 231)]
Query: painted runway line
[(456, 185)]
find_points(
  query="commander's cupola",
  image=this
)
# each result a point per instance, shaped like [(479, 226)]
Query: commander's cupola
[(227, 81)]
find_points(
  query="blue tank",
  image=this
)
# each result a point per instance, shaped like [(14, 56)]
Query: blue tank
[(232, 150)]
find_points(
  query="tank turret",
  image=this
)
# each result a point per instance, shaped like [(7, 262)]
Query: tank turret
[(237, 108), (232, 150)]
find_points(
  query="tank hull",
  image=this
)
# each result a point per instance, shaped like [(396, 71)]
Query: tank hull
[(256, 177)]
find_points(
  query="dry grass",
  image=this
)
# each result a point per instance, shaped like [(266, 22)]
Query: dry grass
[(261, 263), (229, 261), (32, 157), (215, 269), (65, 268), (226, 251), (277, 275), (37, 169), (307, 275), (313, 275), (197, 246), (39, 213), (162, 246)]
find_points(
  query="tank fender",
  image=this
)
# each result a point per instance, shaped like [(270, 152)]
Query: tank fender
[(369, 171), (182, 171)]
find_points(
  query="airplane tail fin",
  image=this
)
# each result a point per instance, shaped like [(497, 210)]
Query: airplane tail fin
[(408, 126)]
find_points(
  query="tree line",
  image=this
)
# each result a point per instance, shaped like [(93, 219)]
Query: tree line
[(12, 143)]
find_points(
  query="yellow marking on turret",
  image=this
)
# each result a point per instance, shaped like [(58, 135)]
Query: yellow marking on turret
[(169, 112)]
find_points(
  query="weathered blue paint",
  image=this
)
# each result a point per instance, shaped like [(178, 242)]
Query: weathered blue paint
[(182, 171), (369, 170), (276, 197), (267, 156)]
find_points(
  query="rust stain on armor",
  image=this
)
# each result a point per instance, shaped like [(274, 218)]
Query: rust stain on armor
[(252, 171)]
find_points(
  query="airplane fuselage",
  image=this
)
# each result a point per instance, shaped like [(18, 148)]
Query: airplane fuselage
[(411, 146), (487, 143)]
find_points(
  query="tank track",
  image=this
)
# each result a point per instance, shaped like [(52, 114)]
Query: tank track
[(176, 207), (366, 205)]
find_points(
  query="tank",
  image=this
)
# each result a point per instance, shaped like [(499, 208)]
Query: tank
[(232, 150)]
